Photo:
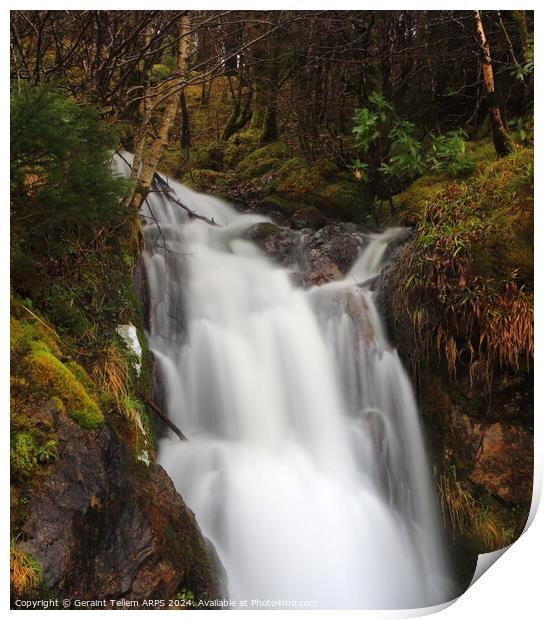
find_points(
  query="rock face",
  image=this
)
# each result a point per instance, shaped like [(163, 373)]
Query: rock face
[(105, 525), (317, 256), (278, 243), (503, 461)]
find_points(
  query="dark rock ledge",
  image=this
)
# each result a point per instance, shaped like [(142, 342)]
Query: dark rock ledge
[(105, 525)]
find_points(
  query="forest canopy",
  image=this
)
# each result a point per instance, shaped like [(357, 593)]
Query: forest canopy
[(298, 75)]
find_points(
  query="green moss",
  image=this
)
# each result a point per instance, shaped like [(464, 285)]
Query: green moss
[(55, 377), (411, 203), (81, 375), (240, 145), (22, 456), (21, 335), (494, 208), (319, 184), (342, 199), (297, 178), (180, 544), (59, 405), (208, 156), (26, 335), (203, 179), (481, 152), (263, 160)]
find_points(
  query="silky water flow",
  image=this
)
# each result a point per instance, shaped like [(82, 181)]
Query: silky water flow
[(305, 464)]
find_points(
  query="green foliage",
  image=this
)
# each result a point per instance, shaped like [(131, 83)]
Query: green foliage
[(448, 154), (185, 595), (366, 128), (390, 154), (61, 310), (473, 518), (47, 452), (60, 153), (522, 129), (406, 161)]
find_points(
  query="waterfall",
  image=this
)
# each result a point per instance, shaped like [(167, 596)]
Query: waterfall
[(305, 464)]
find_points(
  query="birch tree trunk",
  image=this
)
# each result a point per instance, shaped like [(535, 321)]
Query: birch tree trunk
[(147, 156), (502, 141)]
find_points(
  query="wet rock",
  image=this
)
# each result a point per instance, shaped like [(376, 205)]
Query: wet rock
[(331, 251), (104, 525), (316, 256), (278, 243)]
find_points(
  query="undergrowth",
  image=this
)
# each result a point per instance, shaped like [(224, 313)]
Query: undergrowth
[(481, 520), (467, 273), (73, 256), (25, 571)]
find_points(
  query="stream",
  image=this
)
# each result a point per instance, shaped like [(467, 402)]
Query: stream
[(305, 463)]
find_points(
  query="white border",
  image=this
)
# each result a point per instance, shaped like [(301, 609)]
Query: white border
[(512, 586)]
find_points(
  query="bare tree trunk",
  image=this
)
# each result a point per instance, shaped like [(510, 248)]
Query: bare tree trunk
[(185, 123), (147, 160), (501, 139)]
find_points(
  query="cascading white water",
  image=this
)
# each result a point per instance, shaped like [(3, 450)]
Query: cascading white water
[(305, 464)]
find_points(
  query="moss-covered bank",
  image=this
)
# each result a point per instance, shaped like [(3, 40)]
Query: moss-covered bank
[(459, 303), (89, 506)]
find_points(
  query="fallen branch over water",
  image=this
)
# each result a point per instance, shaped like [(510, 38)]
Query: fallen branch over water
[(155, 408), (169, 192)]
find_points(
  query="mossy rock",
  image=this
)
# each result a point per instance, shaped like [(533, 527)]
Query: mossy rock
[(307, 217), (496, 203), (22, 456), (27, 335), (298, 178), (263, 231), (263, 160), (411, 203), (37, 357), (205, 179), (54, 376), (240, 145), (208, 157), (343, 200)]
